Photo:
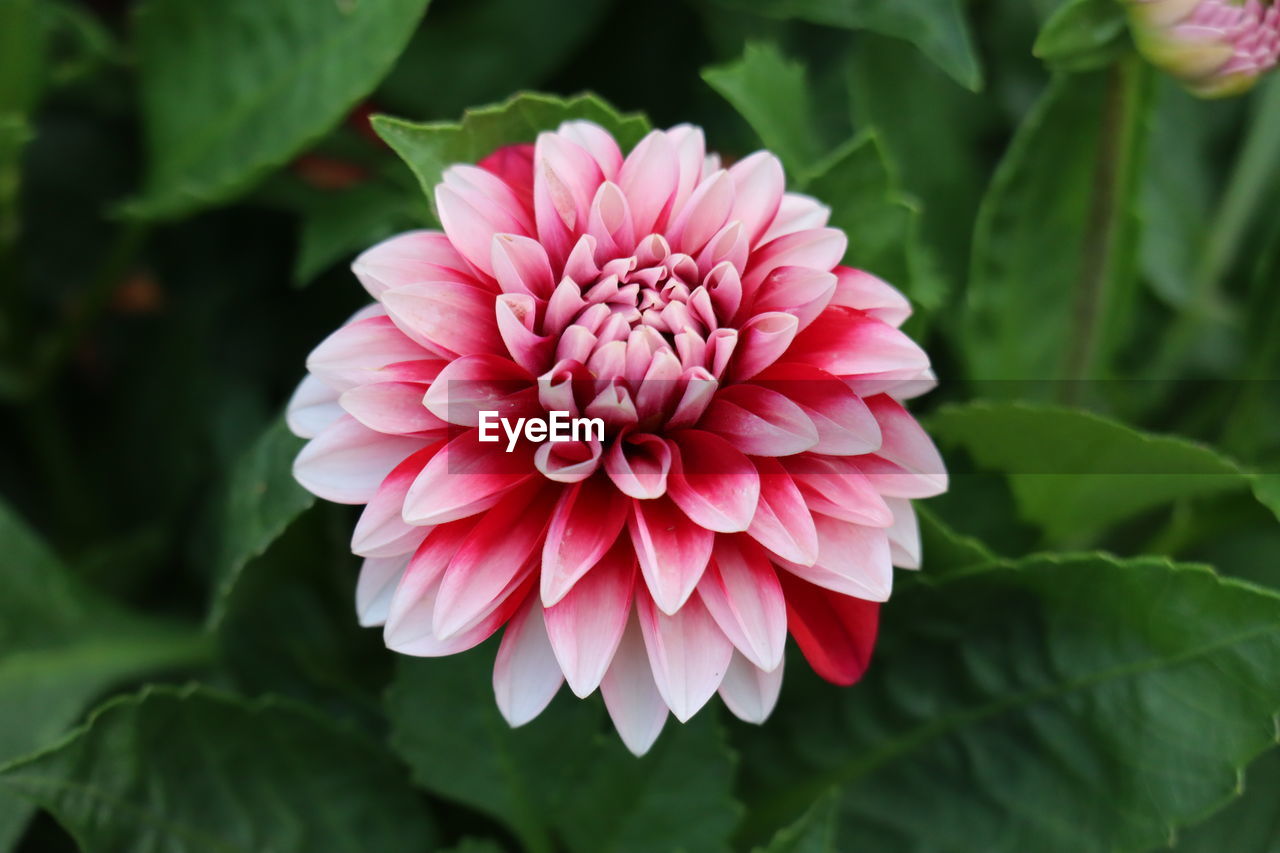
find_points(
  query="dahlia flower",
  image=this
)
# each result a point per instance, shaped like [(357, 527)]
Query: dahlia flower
[(1216, 47), (754, 465)]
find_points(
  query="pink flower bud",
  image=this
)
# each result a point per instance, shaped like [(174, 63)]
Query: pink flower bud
[(1217, 48)]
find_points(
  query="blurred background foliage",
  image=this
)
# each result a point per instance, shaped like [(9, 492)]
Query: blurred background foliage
[(1095, 260)]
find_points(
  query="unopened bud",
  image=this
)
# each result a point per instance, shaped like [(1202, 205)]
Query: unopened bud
[(1217, 48)]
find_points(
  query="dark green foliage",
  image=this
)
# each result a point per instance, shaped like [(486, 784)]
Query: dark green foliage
[(1090, 658)]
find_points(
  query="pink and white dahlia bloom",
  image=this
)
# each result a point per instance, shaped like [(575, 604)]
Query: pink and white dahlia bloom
[(1216, 47), (753, 466)]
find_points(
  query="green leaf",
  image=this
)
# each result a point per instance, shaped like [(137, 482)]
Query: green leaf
[(1047, 705), (261, 500), (233, 90), (432, 147), (1083, 35), (1251, 824), (1075, 473), (947, 179), (1054, 256), (814, 832), (22, 78), (486, 49), (677, 797), (22, 66), (882, 223), (305, 580), (338, 225), (1177, 193), (937, 27), (61, 646), (195, 771), (946, 550), (1266, 488), (772, 94), (80, 42), (1255, 171), (563, 774)]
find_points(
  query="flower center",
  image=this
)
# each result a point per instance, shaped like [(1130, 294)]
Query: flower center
[(655, 304), (634, 333)]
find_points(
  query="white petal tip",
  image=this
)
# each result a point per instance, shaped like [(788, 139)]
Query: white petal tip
[(639, 742)]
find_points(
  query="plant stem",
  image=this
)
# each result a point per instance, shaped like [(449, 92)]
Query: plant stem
[(1251, 183), (1120, 142)]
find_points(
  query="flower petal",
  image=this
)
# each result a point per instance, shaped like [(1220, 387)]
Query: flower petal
[(584, 525), (864, 292), (493, 555), (818, 248), (597, 142), (835, 486), (758, 183), (474, 205), (464, 478), (376, 586), (565, 178), (836, 633), (712, 481), (631, 694), (801, 291), (845, 342), (696, 388), (526, 675), (409, 628), (904, 535), (516, 314), (482, 383), (908, 464), (649, 178), (638, 464), (450, 318), (568, 461), (763, 340), (313, 406), (728, 246), (759, 422), (796, 213), (691, 157), (381, 531), (741, 592), (520, 265), (783, 523), (392, 407), (610, 222), (587, 624), (514, 165), (750, 692), (705, 213), (688, 652), (409, 258), (411, 632), (672, 550), (367, 351), (852, 560), (845, 425), (348, 461)]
